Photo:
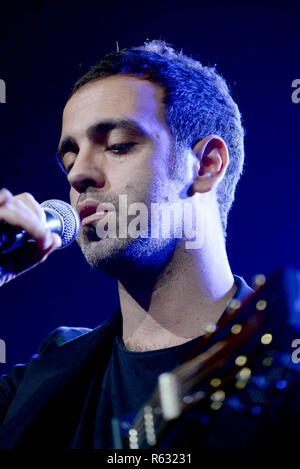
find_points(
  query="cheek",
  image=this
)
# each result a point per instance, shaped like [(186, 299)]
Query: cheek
[(137, 173)]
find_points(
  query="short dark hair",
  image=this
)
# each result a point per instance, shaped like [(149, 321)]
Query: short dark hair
[(197, 100)]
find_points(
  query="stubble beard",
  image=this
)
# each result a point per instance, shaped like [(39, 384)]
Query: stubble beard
[(118, 257), (122, 256), (99, 252)]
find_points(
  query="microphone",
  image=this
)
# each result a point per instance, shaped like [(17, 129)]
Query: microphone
[(61, 218)]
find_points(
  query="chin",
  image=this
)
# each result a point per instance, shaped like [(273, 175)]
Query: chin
[(117, 255), (99, 253)]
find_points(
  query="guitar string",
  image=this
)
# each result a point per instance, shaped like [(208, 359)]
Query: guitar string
[(184, 371), (183, 374)]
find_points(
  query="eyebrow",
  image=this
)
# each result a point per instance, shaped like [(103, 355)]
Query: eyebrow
[(102, 128)]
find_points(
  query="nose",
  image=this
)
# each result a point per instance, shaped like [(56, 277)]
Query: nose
[(87, 170)]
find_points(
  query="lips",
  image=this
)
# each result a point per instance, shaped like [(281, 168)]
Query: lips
[(90, 211)]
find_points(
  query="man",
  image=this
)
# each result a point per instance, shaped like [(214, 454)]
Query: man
[(159, 128)]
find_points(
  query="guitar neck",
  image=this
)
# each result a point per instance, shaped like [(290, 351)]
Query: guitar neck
[(253, 338)]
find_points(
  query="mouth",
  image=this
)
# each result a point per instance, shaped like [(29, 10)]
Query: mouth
[(91, 211)]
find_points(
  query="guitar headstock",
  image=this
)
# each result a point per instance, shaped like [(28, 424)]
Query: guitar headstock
[(240, 364)]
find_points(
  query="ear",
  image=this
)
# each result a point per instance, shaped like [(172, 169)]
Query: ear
[(213, 159)]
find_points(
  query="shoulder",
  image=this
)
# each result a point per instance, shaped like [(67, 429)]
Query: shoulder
[(60, 336)]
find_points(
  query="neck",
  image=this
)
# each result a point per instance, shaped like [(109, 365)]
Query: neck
[(170, 307)]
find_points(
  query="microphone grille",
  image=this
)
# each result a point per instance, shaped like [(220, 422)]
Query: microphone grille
[(70, 218)]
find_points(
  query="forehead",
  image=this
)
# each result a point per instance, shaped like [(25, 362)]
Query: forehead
[(115, 97)]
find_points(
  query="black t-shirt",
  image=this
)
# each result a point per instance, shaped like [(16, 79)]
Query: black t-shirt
[(129, 380), (131, 377)]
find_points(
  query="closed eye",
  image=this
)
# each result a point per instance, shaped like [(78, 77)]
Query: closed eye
[(121, 148)]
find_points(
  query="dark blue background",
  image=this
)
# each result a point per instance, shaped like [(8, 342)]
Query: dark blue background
[(44, 49)]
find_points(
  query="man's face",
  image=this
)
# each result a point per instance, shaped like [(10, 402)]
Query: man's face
[(115, 141)]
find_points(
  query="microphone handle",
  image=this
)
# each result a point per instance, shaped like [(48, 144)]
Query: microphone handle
[(11, 238)]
